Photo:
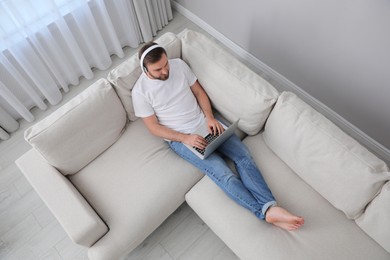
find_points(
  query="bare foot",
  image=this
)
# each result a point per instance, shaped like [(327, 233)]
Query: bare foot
[(283, 219)]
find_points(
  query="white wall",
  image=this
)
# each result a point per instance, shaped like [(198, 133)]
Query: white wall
[(338, 51)]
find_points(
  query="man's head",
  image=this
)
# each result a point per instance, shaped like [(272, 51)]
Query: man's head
[(154, 61)]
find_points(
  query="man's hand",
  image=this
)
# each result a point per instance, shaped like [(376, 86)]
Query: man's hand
[(203, 100), (214, 126), (195, 141)]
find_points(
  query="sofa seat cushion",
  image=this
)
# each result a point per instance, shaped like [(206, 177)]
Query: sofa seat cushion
[(376, 218), (134, 186), (334, 164), (80, 130), (327, 233), (234, 90)]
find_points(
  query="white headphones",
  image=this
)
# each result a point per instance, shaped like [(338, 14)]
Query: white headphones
[(146, 53)]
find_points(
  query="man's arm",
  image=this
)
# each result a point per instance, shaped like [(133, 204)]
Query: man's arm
[(164, 132), (205, 105)]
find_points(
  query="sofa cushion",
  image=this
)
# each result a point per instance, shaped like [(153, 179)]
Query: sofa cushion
[(327, 233), (376, 219), (127, 73), (83, 128), (235, 91), (333, 163), (134, 186)]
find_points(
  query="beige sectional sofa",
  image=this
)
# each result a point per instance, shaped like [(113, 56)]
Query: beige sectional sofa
[(110, 183)]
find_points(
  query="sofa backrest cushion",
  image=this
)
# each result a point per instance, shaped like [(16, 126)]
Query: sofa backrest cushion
[(335, 165), (127, 73), (234, 90), (79, 131), (376, 219)]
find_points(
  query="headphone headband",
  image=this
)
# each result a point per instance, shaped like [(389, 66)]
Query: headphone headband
[(146, 53)]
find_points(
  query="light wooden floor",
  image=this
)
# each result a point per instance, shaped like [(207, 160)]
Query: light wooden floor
[(28, 230)]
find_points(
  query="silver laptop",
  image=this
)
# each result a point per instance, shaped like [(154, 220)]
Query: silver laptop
[(213, 141)]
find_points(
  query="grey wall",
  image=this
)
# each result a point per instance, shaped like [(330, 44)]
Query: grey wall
[(338, 51)]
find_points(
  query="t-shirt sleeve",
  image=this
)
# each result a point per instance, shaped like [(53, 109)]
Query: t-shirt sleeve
[(189, 74), (142, 107)]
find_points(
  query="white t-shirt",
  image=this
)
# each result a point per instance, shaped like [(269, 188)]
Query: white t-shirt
[(172, 100)]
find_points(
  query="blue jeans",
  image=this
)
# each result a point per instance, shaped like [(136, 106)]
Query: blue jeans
[(248, 189)]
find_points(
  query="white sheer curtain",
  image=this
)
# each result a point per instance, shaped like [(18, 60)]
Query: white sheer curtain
[(47, 45)]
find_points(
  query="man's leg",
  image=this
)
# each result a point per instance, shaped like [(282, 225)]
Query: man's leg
[(216, 168), (235, 150), (246, 167)]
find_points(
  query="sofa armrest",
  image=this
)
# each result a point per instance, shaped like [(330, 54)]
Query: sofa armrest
[(73, 212)]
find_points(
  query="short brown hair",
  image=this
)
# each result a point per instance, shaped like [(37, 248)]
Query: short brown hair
[(153, 56)]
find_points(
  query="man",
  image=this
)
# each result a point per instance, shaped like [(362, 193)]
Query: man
[(172, 104)]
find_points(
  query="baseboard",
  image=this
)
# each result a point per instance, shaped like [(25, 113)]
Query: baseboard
[(287, 85)]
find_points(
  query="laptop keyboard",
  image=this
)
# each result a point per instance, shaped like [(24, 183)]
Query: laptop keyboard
[(209, 138)]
